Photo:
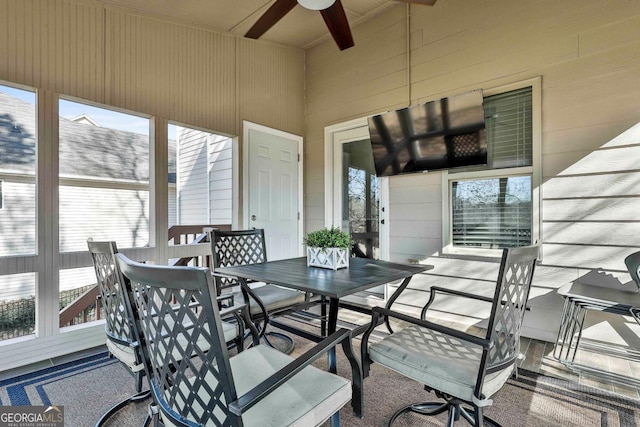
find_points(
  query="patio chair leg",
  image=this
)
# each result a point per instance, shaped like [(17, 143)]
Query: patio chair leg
[(335, 420), (138, 397), (284, 337)]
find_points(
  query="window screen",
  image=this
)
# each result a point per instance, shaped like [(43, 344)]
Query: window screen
[(496, 212)]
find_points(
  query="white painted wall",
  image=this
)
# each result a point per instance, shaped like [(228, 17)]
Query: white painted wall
[(165, 70), (587, 55)]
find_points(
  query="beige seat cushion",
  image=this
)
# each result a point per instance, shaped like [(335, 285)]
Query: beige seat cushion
[(307, 399), (437, 360), (273, 297)]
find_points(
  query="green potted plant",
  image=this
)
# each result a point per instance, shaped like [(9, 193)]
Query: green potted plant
[(328, 248)]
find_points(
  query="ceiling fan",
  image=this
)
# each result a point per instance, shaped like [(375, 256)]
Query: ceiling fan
[(332, 12)]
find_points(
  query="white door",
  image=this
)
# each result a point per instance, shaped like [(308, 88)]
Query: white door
[(359, 196), (273, 186)]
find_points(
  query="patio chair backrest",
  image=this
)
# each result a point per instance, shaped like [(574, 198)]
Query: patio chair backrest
[(239, 247), (191, 383), (633, 265), (117, 323), (121, 342), (509, 305)]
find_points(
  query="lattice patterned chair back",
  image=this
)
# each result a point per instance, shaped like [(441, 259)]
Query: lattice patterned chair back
[(509, 305), (196, 385), (240, 247), (117, 320), (189, 382), (121, 342), (463, 369)]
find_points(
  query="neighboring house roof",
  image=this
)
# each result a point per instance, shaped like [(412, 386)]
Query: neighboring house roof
[(83, 118), (82, 151)]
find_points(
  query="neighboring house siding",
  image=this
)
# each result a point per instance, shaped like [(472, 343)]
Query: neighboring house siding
[(587, 59), (122, 215), (193, 185), (17, 218), (173, 220), (204, 178), (221, 180)]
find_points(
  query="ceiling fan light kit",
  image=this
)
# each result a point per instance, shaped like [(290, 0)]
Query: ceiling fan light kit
[(332, 12), (316, 4)]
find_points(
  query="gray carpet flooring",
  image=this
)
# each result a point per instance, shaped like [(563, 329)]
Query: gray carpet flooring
[(88, 388)]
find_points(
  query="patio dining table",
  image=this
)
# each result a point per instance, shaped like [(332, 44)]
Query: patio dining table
[(293, 273)]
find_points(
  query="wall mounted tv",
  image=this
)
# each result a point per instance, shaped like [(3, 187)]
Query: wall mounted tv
[(443, 134)]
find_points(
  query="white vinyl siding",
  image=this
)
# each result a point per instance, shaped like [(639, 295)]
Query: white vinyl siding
[(192, 179), (172, 219), (104, 214), (205, 178), (587, 60), (17, 219), (221, 180)]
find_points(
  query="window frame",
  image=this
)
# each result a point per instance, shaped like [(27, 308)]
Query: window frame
[(535, 171)]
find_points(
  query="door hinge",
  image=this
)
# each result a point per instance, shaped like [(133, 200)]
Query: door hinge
[(298, 216), (298, 157)]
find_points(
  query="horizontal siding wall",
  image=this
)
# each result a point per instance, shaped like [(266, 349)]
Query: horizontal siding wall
[(588, 57), (192, 179), (221, 180), (155, 68)]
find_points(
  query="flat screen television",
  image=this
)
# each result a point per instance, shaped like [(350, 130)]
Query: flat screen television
[(443, 134)]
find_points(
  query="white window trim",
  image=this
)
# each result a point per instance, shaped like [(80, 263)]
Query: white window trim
[(535, 171)]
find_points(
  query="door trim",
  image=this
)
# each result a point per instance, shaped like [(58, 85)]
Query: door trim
[(330, 181), (248, 126)]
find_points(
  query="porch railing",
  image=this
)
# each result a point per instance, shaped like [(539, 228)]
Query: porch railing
[(87, 307)]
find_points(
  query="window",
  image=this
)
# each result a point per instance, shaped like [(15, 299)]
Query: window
[(104, 167), (497, 207)]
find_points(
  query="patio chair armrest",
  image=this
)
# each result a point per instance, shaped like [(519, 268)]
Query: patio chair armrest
[(435, 289), (482, 342), (236, 308), (225, 300), (259, 392), (241, 313)]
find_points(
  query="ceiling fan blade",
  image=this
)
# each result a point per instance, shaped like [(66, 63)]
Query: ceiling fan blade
[(275, 13), (424, 2), (336, 20)]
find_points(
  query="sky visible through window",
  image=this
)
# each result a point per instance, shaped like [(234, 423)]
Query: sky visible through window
[(104, 117)]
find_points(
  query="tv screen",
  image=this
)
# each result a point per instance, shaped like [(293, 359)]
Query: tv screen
[(443, 134)]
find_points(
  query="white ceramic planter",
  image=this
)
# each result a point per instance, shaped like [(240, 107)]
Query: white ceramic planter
[(331, 258)]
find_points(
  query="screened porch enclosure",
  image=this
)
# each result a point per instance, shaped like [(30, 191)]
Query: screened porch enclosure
[(103, 193)]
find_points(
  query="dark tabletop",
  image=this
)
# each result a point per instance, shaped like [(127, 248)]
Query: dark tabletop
[(363, 273)]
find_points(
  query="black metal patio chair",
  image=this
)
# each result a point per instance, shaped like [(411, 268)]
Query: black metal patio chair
[(241, 247), (633, 266), (257, 387), (464, 370), (120, 342)]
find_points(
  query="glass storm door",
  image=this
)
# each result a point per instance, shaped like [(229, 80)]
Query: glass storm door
[(361, 198)]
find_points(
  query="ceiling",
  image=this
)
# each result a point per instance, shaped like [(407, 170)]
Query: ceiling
[(301, 28)]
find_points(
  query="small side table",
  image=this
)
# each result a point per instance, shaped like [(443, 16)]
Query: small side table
[(580, 298)]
